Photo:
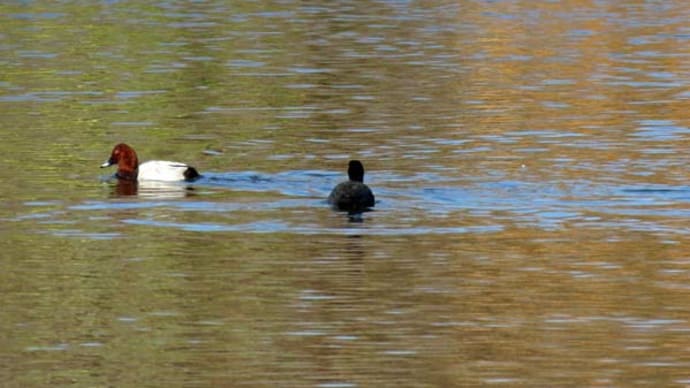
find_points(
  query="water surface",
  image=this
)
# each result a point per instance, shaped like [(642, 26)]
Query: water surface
[(528, 160)]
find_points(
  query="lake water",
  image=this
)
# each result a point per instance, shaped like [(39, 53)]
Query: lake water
[(529, 161)]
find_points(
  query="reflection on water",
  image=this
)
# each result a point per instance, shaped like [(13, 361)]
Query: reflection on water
[(278, 203), (150, 189), (528, 162)]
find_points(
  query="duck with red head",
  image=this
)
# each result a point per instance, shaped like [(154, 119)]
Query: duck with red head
[(128, 167), (352, 195)]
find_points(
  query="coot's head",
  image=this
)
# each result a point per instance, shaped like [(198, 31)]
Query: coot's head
[(355, 171)]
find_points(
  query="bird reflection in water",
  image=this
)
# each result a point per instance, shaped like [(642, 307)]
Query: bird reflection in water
[(355, 216), (151, 189), (124, 187)]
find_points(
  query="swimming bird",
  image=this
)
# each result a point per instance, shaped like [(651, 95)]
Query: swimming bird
[(128, 167), (352, 195)]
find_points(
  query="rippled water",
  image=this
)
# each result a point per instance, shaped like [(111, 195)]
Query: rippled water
[(528, 160)]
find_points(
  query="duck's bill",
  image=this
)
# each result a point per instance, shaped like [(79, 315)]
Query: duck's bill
[(106, 164)]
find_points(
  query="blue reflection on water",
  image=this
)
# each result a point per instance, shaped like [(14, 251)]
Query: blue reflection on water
[(294, 202)]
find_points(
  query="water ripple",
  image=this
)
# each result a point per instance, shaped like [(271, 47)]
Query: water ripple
[(294, 202)]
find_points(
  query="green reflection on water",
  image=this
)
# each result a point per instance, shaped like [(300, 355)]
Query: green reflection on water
[(551, 93)]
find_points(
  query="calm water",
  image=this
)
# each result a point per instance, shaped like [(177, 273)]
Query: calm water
[(528, 158)]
